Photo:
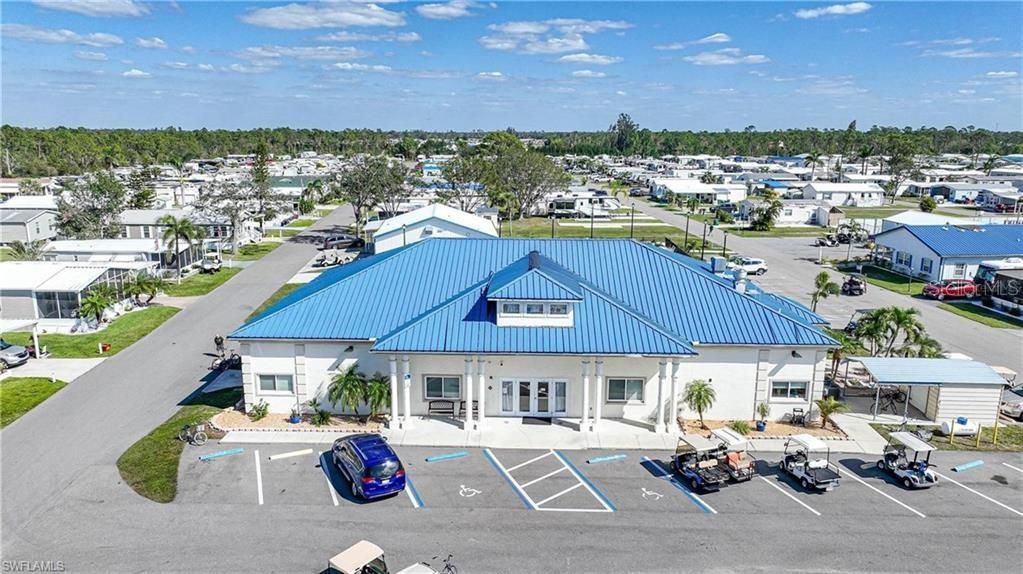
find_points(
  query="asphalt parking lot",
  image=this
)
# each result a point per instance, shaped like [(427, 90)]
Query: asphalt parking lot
[(549, 481)]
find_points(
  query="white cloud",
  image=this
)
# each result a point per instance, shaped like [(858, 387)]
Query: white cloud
[(265, 53), (151, 43), (964, 41), (833, 10), (590, 59), (341, 14), (968, 54), (188, 95), (103, 8), (967, 92), (447, 11), (843, 86), (588, 74), (346, 36), (348, 66), (498, 76), (135, 73), (555, 36), (1002, 74), (51, 36), (176, 65), (94, 56), (206, 67), (726, 57), (188, 49), (621, 93), (244, 69), (715, 38)]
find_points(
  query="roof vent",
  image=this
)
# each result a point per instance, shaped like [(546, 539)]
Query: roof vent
[(534, 259)]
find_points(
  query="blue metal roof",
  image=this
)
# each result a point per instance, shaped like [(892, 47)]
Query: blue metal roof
[(789, 307), (914, 371), (534, 277), (626, 280), (968, 241)]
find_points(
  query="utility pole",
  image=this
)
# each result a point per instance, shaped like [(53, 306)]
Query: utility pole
[(685, 242), (703, 245), (632, 220), (724, 247)]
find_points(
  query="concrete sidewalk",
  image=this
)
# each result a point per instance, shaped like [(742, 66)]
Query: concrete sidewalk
[(65, 370)]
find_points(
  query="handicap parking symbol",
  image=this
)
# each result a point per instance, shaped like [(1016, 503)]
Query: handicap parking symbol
[(466, 492), (651, 495)]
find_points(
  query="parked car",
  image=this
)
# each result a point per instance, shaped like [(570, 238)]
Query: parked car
[(341, 241), (750, 265), (12, 355), (1012, 402), (950, 288), (638, 192), (371, 466)]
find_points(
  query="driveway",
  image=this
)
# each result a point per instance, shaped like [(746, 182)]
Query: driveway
[(77, 435), (792, 271)]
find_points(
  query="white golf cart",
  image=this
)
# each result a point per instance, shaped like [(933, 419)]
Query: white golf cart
[(799, 462), (364, 557), (733, 458), (211, 262), (914, 473)]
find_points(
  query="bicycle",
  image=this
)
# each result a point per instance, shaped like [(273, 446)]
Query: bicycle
[(194, 435), (888, 400), (448, 567)]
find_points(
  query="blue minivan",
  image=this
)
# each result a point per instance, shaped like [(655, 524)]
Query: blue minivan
[(371, 466)]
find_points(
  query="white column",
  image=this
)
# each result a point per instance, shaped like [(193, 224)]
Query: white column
[(467, 385), (482, 373), (598, 391), (585, 424), (662, 371), (392, 362), (406, 386), (673, 413)]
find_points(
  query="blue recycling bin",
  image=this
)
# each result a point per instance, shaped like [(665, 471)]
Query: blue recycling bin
[(962, 420)]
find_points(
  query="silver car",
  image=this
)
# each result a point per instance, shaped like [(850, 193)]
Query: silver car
[(1012, 402), (12, 355)]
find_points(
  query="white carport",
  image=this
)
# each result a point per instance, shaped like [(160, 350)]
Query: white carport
[(9, 325), (943, 389)]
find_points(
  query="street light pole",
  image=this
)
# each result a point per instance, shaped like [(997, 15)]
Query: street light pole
[(632, 220), (703, 245), (724, 247), (552, 225), (591, 220), (403, 242), (685, 242)]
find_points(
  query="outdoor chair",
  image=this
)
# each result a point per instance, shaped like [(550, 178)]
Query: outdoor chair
[(475, 408), (798, 417), (441, 407)]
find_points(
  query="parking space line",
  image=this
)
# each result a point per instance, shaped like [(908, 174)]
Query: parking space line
[(508, 477), (790, 495), (530, 461), (325, 467), (548, 475), (984, 496), (259, 478), (566, 491), (891, 498), (1013, 467), (413, 494), (668, 476), (586, 482)]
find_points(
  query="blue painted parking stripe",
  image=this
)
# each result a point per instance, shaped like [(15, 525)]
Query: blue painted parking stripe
[(670, 477), (417, 500), (586, 481), (511, 481)]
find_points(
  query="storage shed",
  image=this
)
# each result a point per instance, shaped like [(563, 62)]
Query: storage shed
[(943, 389)]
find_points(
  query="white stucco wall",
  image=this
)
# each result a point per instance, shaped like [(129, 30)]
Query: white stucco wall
[(413, 233)]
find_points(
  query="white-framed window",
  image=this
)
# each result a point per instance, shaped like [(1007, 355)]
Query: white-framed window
[(534, 308), (442, 387), (788, 213), (511, 308), (625, 390), (276, 383), (959, 271), (558, 308), (926, 264), (903, 258), (147, 232), (789, 389)]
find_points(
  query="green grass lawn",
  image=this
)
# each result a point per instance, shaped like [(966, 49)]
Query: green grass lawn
[(893, 281), (150, 466), (277, 296), (5, 254), (254, 251), (1010, 438), (200, 283), (18, 395), (778, 232), (982, 315), (121, 333), (302, 223)]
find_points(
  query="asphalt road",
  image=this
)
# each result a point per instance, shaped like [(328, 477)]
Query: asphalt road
[(78, 434), (792, 270)]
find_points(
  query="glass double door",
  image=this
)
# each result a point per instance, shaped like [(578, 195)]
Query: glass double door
[(534, 398)]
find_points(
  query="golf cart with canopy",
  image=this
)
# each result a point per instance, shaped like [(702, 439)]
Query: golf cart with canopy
[(211, 263), (855, 284), (914, 473), (733, 458), (364, 557), (810, 471), (854, 319), (696, 460)]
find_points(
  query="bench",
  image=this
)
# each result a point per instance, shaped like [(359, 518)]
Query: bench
[(475, 408), (440, 407)]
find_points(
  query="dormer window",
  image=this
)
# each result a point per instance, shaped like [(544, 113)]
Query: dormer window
[(534, 308), (558, 308), (534, 292), (534, 313), (511, 308)]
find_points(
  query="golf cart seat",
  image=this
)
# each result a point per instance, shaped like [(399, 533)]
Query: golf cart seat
[(707, 463), (819, 463), (736, 460)]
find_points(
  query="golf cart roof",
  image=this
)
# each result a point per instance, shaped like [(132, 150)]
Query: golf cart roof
[(360, 554), (809, 442), (911, 441), (696, 443), (730, 438)]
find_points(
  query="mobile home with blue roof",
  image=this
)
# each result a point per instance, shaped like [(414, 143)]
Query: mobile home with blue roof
[(581, 330), (938, 252)]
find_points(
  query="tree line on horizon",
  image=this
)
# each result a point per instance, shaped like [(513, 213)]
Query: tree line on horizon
[(43, 152)]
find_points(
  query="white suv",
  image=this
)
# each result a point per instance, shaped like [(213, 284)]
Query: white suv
[(750, 265)]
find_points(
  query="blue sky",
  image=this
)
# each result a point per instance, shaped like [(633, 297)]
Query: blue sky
[(465, 65)]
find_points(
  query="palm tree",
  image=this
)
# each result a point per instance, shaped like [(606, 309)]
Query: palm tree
[(144, 284), (828, 407), (849, 347), (174, 230), (903, 323), (348, 388), (96, 302), (699, 396), (823, 287), (378, 394), (921, 345), (22, 251), (691, 204), (813, 159), (989, 164), (863, 154)]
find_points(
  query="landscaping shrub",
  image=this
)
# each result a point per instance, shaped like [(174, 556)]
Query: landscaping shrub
[(259, 410), (741, 426)]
